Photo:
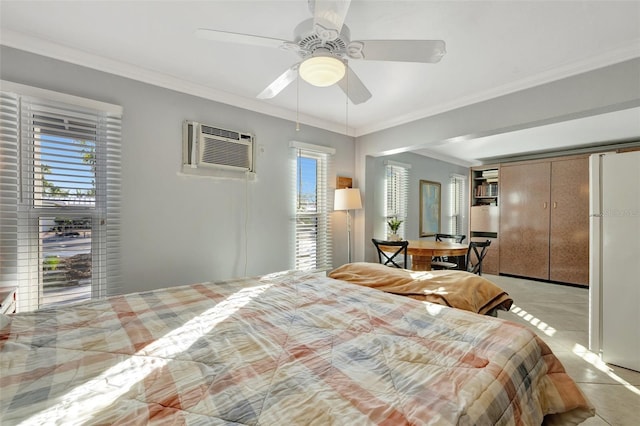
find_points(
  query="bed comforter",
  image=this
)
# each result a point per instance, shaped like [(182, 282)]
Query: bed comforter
[(289, 348), (458, 289)]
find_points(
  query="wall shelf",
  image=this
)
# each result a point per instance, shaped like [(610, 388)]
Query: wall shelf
[(485, 213)]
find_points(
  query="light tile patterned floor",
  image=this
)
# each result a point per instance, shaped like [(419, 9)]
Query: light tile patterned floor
[(560, 315)]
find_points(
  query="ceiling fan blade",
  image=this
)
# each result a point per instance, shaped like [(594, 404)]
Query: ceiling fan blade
[(354, 88), (426, 51), (279, 83), (239, 38), (328, 17)]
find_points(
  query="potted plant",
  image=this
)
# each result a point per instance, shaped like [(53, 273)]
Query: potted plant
[(394, 225)]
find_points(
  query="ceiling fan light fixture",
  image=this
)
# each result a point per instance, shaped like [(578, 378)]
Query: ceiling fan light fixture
[(322, 70)]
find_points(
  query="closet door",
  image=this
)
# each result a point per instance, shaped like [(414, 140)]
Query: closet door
[(569, 235), (524, 219)]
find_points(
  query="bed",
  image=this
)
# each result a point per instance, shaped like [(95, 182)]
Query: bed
[(457, 289), (286, 348)]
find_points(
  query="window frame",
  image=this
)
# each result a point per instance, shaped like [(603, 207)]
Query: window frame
[(20, 218), (322, 258), (396, 194), (457, 195)]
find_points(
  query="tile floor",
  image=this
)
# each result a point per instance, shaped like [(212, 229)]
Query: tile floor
[(559, 314)]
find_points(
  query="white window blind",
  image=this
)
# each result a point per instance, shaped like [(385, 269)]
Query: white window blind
[(396, 194), (312, 226), (456, 203), (60, 193)]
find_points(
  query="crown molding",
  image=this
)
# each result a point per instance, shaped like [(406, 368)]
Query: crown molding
[(64, 53), (610, 57), (426, 152), (89, 60)]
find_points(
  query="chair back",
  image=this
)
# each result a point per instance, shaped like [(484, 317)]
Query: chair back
[(454, 238), (389, 259), (444, 262), (475, 255)]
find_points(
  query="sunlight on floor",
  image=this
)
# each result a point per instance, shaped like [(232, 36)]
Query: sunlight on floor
[(536, 322), (98, 393), (579, 350), (595, 360)]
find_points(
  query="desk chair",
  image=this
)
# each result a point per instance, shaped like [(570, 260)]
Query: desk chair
[(439, 262), (389, 259), (475, 255)]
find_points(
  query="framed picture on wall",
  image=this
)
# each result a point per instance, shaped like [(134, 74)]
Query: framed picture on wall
[(429, 208)]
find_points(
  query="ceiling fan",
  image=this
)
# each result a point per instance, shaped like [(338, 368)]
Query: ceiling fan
[(324, 46)]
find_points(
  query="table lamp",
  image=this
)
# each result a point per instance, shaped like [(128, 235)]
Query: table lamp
[(347, 199)]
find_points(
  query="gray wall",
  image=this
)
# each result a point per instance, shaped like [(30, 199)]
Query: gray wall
[(422, 168), (603, 90), (177, 229), (180, 229), (612, 88)]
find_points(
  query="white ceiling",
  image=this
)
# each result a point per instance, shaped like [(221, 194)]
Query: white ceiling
[(493, 48)]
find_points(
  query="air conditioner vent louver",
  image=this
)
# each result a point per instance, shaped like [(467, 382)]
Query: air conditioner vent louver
[(211, 147), (215, 151), (213, 131)]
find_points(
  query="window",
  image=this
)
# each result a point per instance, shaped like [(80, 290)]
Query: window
[(312, 229), (396, 190), (456, 203), (60, 192)]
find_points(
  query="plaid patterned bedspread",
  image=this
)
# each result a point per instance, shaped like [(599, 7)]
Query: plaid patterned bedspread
[(281, 349)]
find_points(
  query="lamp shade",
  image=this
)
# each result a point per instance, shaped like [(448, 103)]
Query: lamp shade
[(347, 199), (322, 71)]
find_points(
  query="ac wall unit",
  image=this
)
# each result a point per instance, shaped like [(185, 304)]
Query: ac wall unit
[(205, 146)]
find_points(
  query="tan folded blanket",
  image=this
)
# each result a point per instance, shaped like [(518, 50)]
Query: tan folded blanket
[(458, 289)]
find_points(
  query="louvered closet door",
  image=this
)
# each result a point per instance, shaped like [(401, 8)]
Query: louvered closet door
[(569, 246), (524, 220)]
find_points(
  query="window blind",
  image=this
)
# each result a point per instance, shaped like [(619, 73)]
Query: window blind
[(312, 230), (456, 203), (396, 194), (60, 191), (9, 188)]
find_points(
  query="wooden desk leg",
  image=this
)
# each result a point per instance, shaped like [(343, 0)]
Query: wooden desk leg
[(421, 263)]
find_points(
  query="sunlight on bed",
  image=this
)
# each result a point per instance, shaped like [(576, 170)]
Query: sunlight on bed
[(433, 309), (536, 322), (598, 363), (98, 393), (420, 276), (439, 290), (273, 275)]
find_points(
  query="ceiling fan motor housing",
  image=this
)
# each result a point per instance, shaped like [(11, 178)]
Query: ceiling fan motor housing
[(308, 41)]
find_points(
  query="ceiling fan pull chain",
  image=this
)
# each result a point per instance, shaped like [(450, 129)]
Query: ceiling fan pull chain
[(297, 104), (346, 103)]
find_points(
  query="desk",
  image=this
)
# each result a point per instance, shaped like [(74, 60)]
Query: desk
[(423, 250)]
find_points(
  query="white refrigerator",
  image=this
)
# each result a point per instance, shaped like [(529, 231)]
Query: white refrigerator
[(614, 258)]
